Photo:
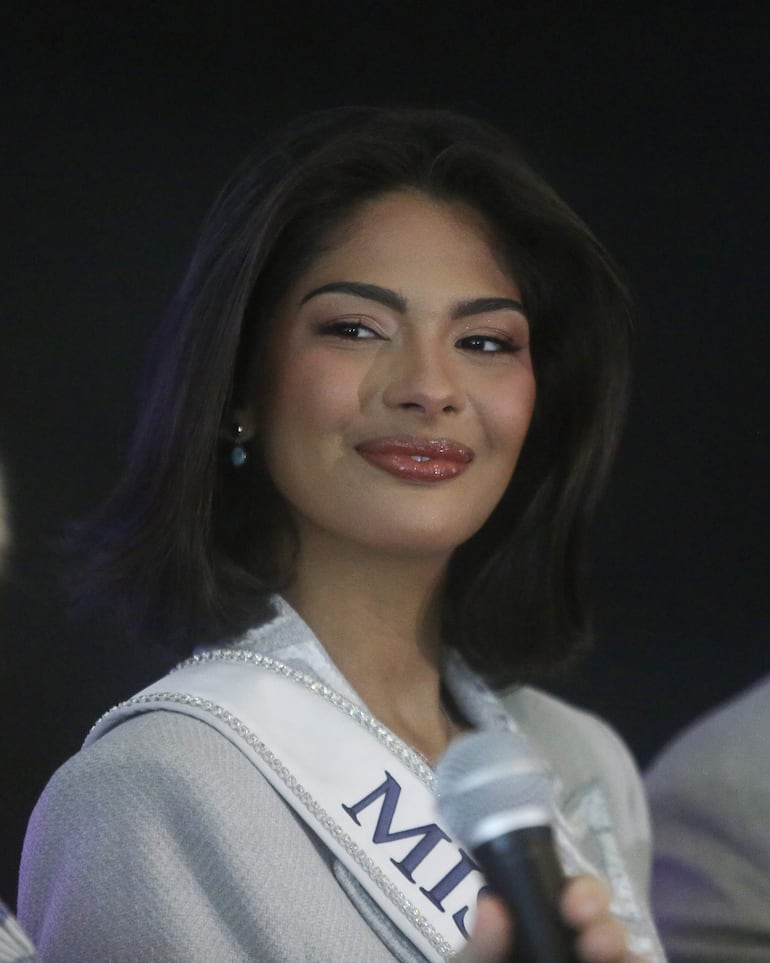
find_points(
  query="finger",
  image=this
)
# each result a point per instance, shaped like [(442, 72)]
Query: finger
[(490, 940), (585, 900), (603, 942)]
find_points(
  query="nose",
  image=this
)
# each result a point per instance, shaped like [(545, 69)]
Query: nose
[(423, 379)]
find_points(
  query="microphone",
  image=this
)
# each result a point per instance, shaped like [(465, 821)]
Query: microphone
[(494, 793)]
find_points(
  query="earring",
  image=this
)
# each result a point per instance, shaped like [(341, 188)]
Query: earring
[(238, 454)]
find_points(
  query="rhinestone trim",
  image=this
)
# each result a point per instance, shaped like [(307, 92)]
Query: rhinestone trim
[(319, 814), (408, 756)]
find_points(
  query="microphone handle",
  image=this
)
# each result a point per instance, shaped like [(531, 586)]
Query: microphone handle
[(522, 868)]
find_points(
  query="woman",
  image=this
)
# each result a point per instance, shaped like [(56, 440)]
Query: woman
[(374, 428)]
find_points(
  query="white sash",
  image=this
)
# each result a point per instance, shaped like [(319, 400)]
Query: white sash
[(364, 792)]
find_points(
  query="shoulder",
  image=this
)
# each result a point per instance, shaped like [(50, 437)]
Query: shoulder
[(158, 768), (146, 765), (160, 823), (728, 747), (709, 794), (585, 751), (713, 781), (579, 744)]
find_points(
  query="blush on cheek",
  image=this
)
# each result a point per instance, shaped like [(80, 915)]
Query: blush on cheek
[(330, 393)]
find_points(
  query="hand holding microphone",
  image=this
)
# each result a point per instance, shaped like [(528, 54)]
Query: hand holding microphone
[(496, 798)]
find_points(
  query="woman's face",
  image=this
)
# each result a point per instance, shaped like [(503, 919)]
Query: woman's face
[(402, 384)]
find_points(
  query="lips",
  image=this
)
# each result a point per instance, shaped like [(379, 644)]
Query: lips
[(417, 459)]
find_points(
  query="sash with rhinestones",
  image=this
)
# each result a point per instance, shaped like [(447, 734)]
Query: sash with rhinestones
[(363, 791)]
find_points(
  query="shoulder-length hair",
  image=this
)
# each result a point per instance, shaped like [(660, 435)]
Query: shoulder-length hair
[(187, 543)]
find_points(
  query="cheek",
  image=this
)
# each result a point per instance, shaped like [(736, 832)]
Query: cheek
[(509, 413), (313, 392)]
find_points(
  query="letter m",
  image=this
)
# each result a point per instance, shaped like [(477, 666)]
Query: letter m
[(390, 792)]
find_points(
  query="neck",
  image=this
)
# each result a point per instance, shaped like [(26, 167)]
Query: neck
[(378, 618)]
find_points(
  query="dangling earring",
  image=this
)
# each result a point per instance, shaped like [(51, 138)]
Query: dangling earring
[(238, 454)]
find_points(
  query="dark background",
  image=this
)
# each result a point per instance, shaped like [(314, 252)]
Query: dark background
[(121, 122)]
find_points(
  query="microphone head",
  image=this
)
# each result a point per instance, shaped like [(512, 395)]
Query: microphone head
[(490, 783)]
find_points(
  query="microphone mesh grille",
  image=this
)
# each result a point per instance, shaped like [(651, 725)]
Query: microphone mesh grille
[(488, 773)]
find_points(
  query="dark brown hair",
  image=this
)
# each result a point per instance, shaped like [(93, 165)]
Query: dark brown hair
[(187, 543)]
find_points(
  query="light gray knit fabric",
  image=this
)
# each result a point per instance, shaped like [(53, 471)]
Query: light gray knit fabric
[(162, 842), (586, 752), (710, 798)]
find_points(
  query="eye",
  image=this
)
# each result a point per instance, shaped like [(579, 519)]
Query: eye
[(487, 344), (349, 329)]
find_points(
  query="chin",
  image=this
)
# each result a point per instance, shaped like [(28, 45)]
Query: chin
[(420, 541)]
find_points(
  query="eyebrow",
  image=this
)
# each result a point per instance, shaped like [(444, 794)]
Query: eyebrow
[(392, 299), (466, 309), (372, 292)]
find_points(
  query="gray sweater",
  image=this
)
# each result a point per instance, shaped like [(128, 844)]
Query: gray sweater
[(162, 843), (710, 798)]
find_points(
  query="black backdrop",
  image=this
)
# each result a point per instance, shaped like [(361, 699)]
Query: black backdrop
[(652, 122)]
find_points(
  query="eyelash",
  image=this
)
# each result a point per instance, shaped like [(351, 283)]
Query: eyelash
[(344, 329), (350, 330), (502, 345)]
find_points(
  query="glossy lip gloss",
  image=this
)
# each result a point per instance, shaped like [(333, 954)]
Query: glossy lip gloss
[(417, 459)]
